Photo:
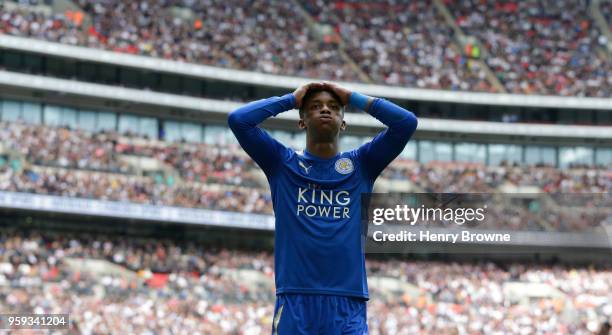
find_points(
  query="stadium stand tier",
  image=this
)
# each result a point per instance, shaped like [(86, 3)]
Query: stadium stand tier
[(534, 47), (188, 288), (108, 166)]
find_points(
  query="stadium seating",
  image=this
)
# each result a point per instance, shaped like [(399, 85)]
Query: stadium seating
[(107, 166), (401, 43), (540, 47), (534, 47), (183, 287)]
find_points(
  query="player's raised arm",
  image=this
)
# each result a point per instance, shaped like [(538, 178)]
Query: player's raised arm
[(255, 141), (388, 144)]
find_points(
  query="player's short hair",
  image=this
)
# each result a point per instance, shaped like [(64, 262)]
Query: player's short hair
[(312, 91)]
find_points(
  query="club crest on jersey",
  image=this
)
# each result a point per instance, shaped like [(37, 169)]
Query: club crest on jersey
[(344, 165)]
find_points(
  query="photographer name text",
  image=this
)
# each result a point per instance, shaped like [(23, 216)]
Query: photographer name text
[(463, 236)]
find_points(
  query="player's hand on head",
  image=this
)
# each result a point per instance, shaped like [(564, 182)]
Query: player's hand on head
[(342, 92), (300, 92)]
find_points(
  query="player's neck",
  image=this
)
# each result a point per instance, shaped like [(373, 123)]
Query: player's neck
[(324, 150)]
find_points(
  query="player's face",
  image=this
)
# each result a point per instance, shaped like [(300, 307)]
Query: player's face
[(324, 114)]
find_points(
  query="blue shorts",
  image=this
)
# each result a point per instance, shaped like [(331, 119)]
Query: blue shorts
[(318, 314)]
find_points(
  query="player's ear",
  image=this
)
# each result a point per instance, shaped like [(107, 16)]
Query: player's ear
[(343, 126), (301, 124)]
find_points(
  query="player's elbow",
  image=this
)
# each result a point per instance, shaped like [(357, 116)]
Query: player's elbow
[(414, 121), (235, 120), (410, 124)]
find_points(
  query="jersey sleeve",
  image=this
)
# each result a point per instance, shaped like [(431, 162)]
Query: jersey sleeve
[(263, 149), (388, 144)]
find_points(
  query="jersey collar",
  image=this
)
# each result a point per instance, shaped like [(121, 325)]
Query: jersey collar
[(308, 155)]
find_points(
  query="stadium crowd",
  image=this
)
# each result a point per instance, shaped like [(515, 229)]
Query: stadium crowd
[(102, 151), (62, 147), (536, 47), (473, 178), (143, 190), (198, 297), (207, 32), (75, 163), (401, 43), (540, 47)]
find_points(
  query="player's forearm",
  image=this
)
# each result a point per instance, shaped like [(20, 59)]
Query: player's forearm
[(255, 141), (399, 120), (254, 113)]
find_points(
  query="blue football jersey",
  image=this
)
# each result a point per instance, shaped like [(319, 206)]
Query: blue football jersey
[(319, 237)]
